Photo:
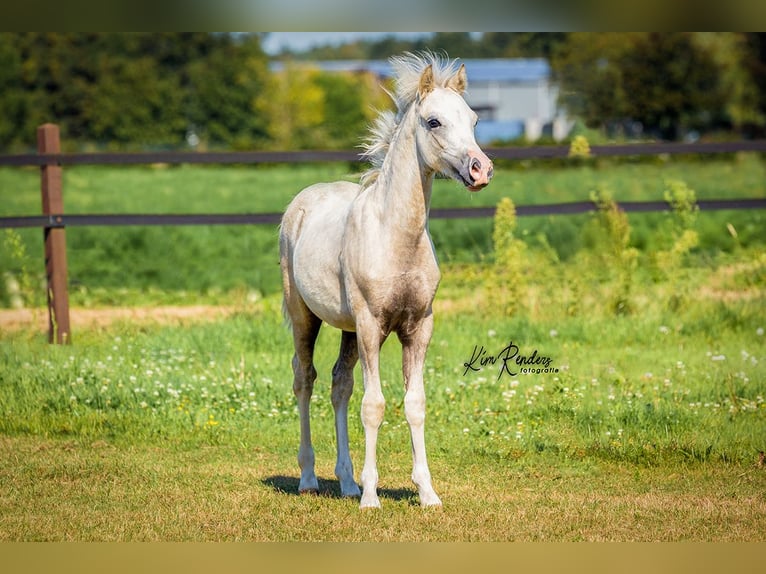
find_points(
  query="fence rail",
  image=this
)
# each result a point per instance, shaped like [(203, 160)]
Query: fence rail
[(306, 156), (60, 221), (54, 221)]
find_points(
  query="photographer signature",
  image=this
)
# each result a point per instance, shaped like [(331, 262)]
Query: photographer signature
[(509, 361)]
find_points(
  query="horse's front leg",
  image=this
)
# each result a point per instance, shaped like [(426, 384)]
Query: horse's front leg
[(414, 347), (370, 339)]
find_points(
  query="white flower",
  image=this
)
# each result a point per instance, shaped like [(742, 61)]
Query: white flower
[(553, 333), (664, 330), (759, 331)]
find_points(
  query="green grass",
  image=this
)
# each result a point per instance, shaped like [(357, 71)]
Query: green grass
[(119, 265), (649, 430), (647, 425)]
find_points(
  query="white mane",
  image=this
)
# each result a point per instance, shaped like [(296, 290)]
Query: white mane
[(407, 71)]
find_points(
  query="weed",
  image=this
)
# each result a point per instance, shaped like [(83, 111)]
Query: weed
[(620, 258), (670, 262), (507, 287), (21, 286)]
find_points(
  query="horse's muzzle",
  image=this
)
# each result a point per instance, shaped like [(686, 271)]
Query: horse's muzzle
[(477, 171)]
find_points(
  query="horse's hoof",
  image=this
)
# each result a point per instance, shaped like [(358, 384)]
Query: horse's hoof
[(430, 501), (351, 492), (369, 502)]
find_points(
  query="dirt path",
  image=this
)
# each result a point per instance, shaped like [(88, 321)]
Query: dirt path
[(16, 319)]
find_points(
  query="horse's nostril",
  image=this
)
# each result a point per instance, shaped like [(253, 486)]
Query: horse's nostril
[(475, 165)]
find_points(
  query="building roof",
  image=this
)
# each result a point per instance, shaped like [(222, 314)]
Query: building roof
[(479, 70)]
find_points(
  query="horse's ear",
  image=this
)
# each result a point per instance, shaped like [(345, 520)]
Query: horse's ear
[(426, 82), (459, 82)]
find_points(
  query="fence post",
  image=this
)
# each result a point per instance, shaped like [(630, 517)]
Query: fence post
[(55, 238)]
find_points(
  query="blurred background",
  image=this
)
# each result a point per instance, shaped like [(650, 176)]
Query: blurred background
[(321, 90), (298, 90)]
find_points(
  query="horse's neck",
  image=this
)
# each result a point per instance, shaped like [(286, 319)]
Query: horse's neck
[(404, 186)]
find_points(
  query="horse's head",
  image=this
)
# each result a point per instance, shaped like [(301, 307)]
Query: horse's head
[(445, 131)]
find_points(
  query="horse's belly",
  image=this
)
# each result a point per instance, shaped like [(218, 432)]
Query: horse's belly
[(317, 277), (333, 315)]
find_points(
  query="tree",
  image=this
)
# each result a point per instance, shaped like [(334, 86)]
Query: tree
[(224, 94), (11, 94), (670, 83), (144, 89), (521, 44), (133, 103), (587, 68)]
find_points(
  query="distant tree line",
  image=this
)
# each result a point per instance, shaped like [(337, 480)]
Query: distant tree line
[(206, 90), (170, 90)]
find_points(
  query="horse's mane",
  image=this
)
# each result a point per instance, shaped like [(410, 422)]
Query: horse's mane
[(407, 71)]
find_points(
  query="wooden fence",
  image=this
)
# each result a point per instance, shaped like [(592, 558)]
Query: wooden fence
[(54, 221)]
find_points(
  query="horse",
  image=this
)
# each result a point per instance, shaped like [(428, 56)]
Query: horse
[(359, 257)]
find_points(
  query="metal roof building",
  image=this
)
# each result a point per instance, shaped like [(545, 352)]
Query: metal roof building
[(513, 97)]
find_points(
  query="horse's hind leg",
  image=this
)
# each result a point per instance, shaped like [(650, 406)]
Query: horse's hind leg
[(305, 330), (342, 387)]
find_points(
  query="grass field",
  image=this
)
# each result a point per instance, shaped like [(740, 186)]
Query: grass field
[(155, 432), (172, 263), (644, 421)]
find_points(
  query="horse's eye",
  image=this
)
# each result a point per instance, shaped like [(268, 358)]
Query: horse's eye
[(434, 123)]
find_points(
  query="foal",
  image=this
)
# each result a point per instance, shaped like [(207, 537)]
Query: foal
[(359, 257)]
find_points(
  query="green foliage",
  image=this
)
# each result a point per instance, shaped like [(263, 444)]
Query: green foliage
[(149, 90), (457, 44), (178, 261), (507, 287), (682, 239), (652, 389), (671, 83), (131, 90), (20, 285), (614, 246), (579, 148)]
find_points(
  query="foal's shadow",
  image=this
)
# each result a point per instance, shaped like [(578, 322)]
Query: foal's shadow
[(330, 488)]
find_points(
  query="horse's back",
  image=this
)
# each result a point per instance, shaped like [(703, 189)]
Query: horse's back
[(319, 202)]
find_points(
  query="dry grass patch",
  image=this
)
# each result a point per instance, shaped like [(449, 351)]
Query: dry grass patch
[(64, 491)]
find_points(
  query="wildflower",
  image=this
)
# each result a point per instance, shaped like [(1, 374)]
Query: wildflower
[(759, 331), (553, 333), (718, 358), (664, 330)]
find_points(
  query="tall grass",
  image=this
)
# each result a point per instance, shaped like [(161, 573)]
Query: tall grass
[(662, 382)]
